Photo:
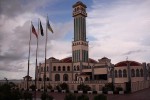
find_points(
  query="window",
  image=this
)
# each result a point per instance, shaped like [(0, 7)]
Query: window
[(57, 77), (141, 71), (116, 74), (47, 79), (74, 67), (124, 73), (41, 69), (68, 68), (59, 68), (64, 68), (77, 67), (54, 68), (111, 73), (132, 72), (137, 73), (120, 73), (76, 77), (65, 77), (47, 68)]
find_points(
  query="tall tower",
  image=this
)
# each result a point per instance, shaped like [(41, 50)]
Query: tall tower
[(79, 45)]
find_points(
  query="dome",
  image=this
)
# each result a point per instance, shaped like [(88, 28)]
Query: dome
[(124, 63), (79, 3)]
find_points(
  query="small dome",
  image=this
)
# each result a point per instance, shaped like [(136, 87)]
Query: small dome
[(124, 63)]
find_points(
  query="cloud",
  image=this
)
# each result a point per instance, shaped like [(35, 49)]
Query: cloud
[(14, 36), (132, 52), (125, 24)]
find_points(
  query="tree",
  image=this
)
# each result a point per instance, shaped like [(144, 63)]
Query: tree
[(70, 96), (33, 87), (100, 97), (83, 97), (45, 96)]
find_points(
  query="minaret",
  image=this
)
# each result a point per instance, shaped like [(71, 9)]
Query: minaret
[(79, 45)]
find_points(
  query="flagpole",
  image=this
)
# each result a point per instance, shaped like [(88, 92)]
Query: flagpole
[(45, 57), (29, 59), (36, 61)]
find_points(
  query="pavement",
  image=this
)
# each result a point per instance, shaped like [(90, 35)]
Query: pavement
[(140, 95)]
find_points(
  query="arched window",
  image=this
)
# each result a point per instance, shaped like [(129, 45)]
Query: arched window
[(59, 68), (78, 68), (47, 79), (57, 77), (116, 74), (124, 73), (120, 73), (65, 77), (40, 79), (68, 68), (41, 69), (86, 79), (64, 69), (76, 77), (132, 72), (54, 68), (137, 73), (74, 67), (141, 71), (111, 73), (47, 68)]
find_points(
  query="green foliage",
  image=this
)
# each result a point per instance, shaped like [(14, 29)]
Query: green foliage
[(83, 87), (33, 87), (119, 89), (70, 96), (100, 97), (64, 86), (83, 97), (8, 92), (49, 86), (27, 95), (45, 96), (108, 87)]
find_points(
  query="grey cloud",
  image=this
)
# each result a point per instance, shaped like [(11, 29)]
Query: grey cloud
[(12, 8), (133, 52)]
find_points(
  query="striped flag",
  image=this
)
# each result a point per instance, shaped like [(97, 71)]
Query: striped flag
[(48, 26), (34, 31)]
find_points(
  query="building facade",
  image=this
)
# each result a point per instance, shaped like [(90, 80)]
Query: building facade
[(81, 69)]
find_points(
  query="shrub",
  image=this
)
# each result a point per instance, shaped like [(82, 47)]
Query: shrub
[(70, 96), (100, 97), (83, 97), (27, 96), (33, 87), (108, 87), (64, 86), (119, 89), (83, 87)]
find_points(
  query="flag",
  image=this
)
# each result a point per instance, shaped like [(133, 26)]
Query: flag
[(41, 29), (49, 27), (34, 31)]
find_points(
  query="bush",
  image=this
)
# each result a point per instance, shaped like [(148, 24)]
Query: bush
[(83, 97), (49, 86), (70, 96), (100, 97), (33, 87), (119, 89), (108, 87), (27, 96), (64, 86), (83, 87), (45, 96)]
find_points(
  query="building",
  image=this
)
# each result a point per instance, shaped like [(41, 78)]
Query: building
[(81, 69)]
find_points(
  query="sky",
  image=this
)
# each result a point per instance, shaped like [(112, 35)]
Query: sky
[(117, 29)]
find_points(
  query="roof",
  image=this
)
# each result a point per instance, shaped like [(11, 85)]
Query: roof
[(27, 76), (79, 3), (124, 63), (69, 60), (66, 60)]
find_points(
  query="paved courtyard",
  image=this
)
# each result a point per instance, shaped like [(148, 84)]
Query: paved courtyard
[(140, 95)]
